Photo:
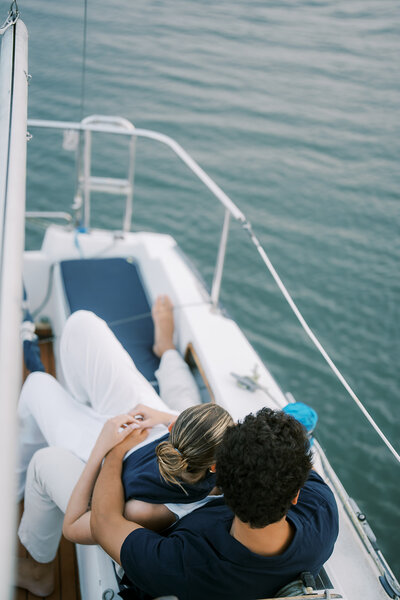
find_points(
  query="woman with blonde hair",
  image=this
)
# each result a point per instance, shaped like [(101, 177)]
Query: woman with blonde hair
[(164, 479), (188, 455)]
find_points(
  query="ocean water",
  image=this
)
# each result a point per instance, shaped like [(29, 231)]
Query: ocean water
[(293, 107)]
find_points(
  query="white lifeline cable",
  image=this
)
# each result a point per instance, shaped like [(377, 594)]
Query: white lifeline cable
[(315, 340)]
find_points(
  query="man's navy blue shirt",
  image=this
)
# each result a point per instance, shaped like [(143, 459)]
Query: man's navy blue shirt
[(199, 558)]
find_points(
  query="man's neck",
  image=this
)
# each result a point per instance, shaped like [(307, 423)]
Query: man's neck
[(271, 540)]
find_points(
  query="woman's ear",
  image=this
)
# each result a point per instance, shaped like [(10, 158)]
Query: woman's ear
[(213, 468)]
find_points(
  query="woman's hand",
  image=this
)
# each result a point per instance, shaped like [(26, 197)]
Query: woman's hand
[(114, 431), (133, 439), (147, 417)]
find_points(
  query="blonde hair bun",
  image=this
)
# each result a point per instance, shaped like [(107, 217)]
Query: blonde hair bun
[(192, 443), (171, 461)]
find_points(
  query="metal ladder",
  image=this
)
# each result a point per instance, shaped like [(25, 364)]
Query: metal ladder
[(88, 183)]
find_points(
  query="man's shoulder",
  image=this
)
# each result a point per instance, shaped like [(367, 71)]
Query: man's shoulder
[(316, 488), (316, 509)]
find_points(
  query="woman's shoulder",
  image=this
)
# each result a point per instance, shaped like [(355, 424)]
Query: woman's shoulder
[(142, 480)]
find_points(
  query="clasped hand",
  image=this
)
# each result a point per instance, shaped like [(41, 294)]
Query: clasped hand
[(121, 431), (146, 417)]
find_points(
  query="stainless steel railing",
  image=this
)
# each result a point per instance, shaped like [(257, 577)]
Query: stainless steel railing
[(88, 183)]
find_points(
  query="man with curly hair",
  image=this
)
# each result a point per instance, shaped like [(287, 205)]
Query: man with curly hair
[(277, 519)]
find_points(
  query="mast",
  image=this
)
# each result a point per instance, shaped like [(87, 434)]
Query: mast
[(13, 137)]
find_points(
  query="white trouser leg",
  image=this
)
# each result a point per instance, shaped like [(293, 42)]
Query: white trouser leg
[(97, 370), (178, 388), (52, 475), (48, 415)]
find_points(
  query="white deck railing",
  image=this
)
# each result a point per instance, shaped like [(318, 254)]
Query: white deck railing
[(13, 120), (95, 124)]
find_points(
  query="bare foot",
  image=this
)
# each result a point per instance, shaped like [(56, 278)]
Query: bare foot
[(163, 318), (37, 578)]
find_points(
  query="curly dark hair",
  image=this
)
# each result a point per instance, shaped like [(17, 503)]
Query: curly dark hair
[(261, 465)]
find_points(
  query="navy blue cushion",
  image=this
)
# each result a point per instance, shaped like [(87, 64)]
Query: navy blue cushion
[(113, 289)]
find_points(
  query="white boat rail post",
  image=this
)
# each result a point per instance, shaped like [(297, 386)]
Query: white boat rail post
[(131, 179), (13, 139), (87, 159), (219, 267)]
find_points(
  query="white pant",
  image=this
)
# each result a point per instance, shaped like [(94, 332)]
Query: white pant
[(52, 476), (102, 381)]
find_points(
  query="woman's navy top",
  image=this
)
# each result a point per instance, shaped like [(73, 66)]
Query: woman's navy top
[(142, 480)]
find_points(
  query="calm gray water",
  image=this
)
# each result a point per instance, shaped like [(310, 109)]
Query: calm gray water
[(293, 107)]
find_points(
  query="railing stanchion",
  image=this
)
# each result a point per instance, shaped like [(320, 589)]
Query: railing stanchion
[(219, 267), (131, 176), (87, 150)]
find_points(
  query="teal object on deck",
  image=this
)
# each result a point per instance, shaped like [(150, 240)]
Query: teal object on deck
[(303, 413)]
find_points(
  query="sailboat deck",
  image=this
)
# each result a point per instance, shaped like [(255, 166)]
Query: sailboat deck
[(66, 569)]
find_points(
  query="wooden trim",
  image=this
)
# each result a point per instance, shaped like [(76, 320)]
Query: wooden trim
[(190, 351)]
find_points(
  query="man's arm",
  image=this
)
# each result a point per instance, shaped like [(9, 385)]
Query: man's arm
[(107, 522), (76, 525)]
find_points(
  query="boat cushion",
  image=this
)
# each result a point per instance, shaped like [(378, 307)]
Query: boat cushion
[(113, 289)]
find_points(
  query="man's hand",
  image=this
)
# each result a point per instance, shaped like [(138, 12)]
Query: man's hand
[(147, 417), (114, 431)]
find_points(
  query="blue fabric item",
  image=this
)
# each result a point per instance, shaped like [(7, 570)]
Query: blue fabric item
[(303, 413), (112, 288), (31, 349), (32, 359), (142, 480), (199, 558)]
